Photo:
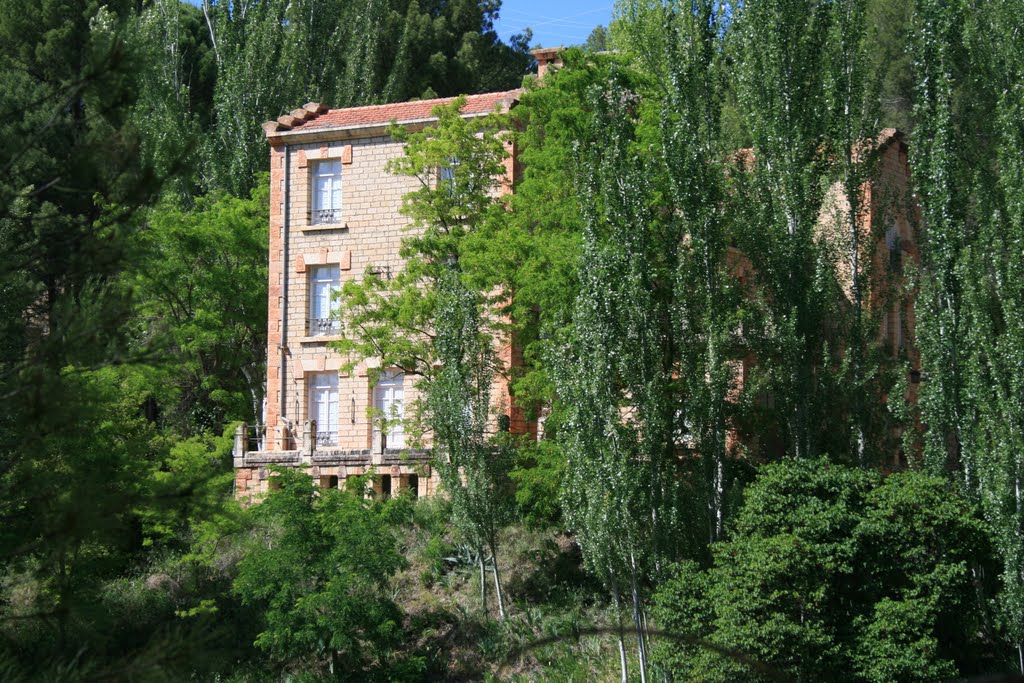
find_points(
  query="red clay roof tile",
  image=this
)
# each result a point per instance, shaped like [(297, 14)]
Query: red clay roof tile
[(404, 112)]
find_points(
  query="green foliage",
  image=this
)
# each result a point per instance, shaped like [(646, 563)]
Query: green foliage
[(122, 333), (199, 280), (188, 487), (835, 572), (73, 446), (597, 40), (535, 252), (432, 320), (274, 55), (967, 107), (129, 339), (537, 474), (707, 304), (802, 85), (391, 318), (68, 506), (473, 467), (175, 85), (889, 26), (612, 361), (317, 568), (613, 366)]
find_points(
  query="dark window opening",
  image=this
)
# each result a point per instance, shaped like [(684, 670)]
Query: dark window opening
[(385, 485), (329, 482), (414, 485), (151, 410)]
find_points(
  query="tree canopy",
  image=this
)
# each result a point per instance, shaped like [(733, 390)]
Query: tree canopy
[(730, 453)]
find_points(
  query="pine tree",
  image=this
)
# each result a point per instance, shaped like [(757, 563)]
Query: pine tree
[(71, 447)]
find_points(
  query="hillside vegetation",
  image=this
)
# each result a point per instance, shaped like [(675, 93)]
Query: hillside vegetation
[(673, 523)]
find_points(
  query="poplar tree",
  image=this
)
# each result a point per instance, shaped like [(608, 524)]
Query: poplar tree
[(970, 183), (685, 62), (943, 184), (175, 89), (800, 81), (707, 307), (613, 373), (999, 381), (473, 466)]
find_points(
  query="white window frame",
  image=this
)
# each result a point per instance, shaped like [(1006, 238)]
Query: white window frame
[(322, 396), (324, 323), (325, 192), (389, 402), (446, 176)]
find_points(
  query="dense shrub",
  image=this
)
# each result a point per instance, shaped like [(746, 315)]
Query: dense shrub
[(318, 569), (834, 573)]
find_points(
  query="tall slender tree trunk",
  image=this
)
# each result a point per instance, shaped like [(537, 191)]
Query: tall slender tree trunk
[(497, 582), (853, 196), (715, 467), (618, 622), (719, 494), (638, 622), (483, 582)]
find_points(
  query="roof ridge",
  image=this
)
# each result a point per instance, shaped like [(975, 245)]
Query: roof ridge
[(306, 117), (364, 107)]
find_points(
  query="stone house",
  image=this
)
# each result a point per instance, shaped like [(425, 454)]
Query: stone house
[(334, 211)]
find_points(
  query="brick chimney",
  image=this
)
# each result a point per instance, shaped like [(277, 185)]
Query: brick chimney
[(547, 57)]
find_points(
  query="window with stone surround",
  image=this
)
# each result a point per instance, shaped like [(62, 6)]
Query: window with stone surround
[(388, 404), (324, 284), (893, 320), (325, 190), (323, 406), (446, 179)]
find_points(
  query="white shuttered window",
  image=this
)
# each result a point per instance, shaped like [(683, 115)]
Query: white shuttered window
[(323, 406), (324, 283), (326, 192), (389, 399)]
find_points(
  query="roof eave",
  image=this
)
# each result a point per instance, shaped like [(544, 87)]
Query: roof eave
[(352, 131)]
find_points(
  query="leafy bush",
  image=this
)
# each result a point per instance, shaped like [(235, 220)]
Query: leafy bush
[(318, 569), (538, 477), (834, 573)]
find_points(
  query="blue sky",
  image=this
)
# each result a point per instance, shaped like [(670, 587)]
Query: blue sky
[(554, 22)]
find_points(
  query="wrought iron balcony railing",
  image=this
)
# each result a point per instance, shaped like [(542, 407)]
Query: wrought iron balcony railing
[(325, 216), (326, 439), (324, 327)]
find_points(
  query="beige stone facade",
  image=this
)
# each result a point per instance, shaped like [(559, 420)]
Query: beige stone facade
[(314, 249), (334, 212)]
